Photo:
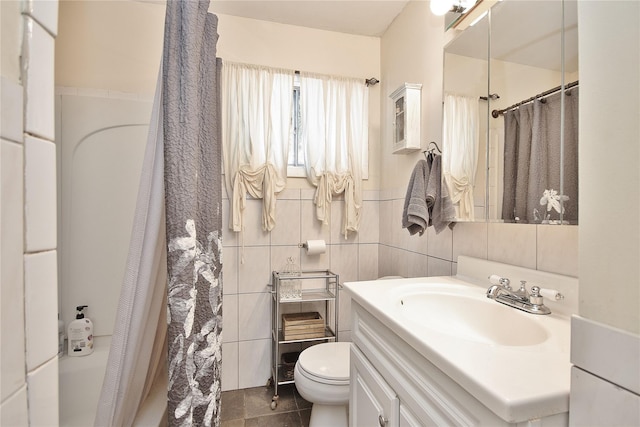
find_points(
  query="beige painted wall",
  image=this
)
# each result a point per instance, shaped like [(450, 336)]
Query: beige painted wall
[(109, 45), (412, 53), (116, 46)]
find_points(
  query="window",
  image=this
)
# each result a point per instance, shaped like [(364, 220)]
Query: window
[(295, 164)]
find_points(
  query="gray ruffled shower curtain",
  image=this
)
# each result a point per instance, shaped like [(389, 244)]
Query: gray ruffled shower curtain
[(192, 155), (175, 252), (532, 159)]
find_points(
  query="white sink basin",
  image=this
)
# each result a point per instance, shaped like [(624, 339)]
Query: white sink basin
[(469, 315)]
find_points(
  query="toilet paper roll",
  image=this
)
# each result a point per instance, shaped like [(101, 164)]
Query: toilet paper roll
[(315, 247)]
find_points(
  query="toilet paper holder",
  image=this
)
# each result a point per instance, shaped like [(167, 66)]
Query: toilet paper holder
[(313, 247)]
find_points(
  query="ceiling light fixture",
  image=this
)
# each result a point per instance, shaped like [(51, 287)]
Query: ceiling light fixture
[(440, 7)]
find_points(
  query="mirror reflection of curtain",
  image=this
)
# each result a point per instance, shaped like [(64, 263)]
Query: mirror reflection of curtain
[(532, 159), (460, 151)]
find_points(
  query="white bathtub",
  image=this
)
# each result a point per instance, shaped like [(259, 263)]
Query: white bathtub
[(81, 383)]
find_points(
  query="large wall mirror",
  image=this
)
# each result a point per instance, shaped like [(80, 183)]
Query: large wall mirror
[(510, 137)]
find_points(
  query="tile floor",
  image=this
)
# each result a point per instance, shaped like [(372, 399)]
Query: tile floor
[(251, 407)]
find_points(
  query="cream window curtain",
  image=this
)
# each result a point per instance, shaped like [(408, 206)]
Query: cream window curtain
[(256, 116), (460, 151), (334, 130)]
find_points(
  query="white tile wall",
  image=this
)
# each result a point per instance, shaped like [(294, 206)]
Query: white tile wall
[(28, 207), (255, 273), (253, 234), (229, 238), (41, 307), (247, 346), (229, 318), (11, 97), (513, 244), (337, 220), (42, 385), (370, 223), (470, 239), (229, 366), (38, 54), (440, 245), (12, 372), (287, 230), (254, 316), (316, 262), (439, 267), (254, 362), (13, 411), (368, 261), (311, 228), (417, 265), (344, 261), (281, 254), (40, 194), (557, 251), (230, 270), (548, 248)]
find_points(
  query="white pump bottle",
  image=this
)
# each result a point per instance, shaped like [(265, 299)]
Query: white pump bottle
[(80, 334)]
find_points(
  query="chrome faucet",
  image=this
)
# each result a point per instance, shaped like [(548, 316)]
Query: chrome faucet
[(520, 299)]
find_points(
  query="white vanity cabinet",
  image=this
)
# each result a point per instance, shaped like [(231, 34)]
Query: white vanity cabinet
[(389, 378), (372, 402)]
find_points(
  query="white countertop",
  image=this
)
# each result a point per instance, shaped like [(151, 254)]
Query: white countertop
[(517, 383)]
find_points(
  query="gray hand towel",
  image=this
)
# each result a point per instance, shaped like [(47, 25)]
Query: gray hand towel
[(415, 215)]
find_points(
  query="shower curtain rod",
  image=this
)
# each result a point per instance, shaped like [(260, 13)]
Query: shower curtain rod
[(372, 81), (496, 113)]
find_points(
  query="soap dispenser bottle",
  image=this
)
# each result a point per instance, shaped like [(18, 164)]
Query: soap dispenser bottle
[(80, 334)]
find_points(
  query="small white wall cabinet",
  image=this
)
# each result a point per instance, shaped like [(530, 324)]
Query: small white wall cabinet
[(392, 385), (406, 118)]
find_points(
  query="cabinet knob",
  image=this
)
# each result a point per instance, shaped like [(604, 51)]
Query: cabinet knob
[(382, 420)]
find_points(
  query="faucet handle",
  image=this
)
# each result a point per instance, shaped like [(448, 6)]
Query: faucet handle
[(522, 292), (535, 297), (499, 280)]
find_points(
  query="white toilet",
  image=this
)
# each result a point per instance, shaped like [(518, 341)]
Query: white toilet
[(321, 376)]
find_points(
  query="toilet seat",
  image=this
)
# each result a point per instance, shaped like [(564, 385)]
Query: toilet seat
[(326, 363)]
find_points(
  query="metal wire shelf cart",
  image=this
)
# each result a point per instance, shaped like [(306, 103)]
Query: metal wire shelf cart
[(318, 290)]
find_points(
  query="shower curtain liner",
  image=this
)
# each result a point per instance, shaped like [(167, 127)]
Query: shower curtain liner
[(185, 128)]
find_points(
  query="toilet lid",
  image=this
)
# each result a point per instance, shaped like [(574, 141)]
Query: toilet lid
[(329, 361)]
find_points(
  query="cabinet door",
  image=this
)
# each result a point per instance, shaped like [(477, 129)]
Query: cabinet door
[(372, 402)]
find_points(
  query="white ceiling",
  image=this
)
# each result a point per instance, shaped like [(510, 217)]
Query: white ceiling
[(361, 17)]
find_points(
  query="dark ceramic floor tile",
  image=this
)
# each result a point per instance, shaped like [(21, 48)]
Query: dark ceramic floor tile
[(233, 403), (301, 402), (284, 419), (258, 401), (305, 416), (232, 423)]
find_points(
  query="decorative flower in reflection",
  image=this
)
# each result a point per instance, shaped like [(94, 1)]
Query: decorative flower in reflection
[(553, 200)]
